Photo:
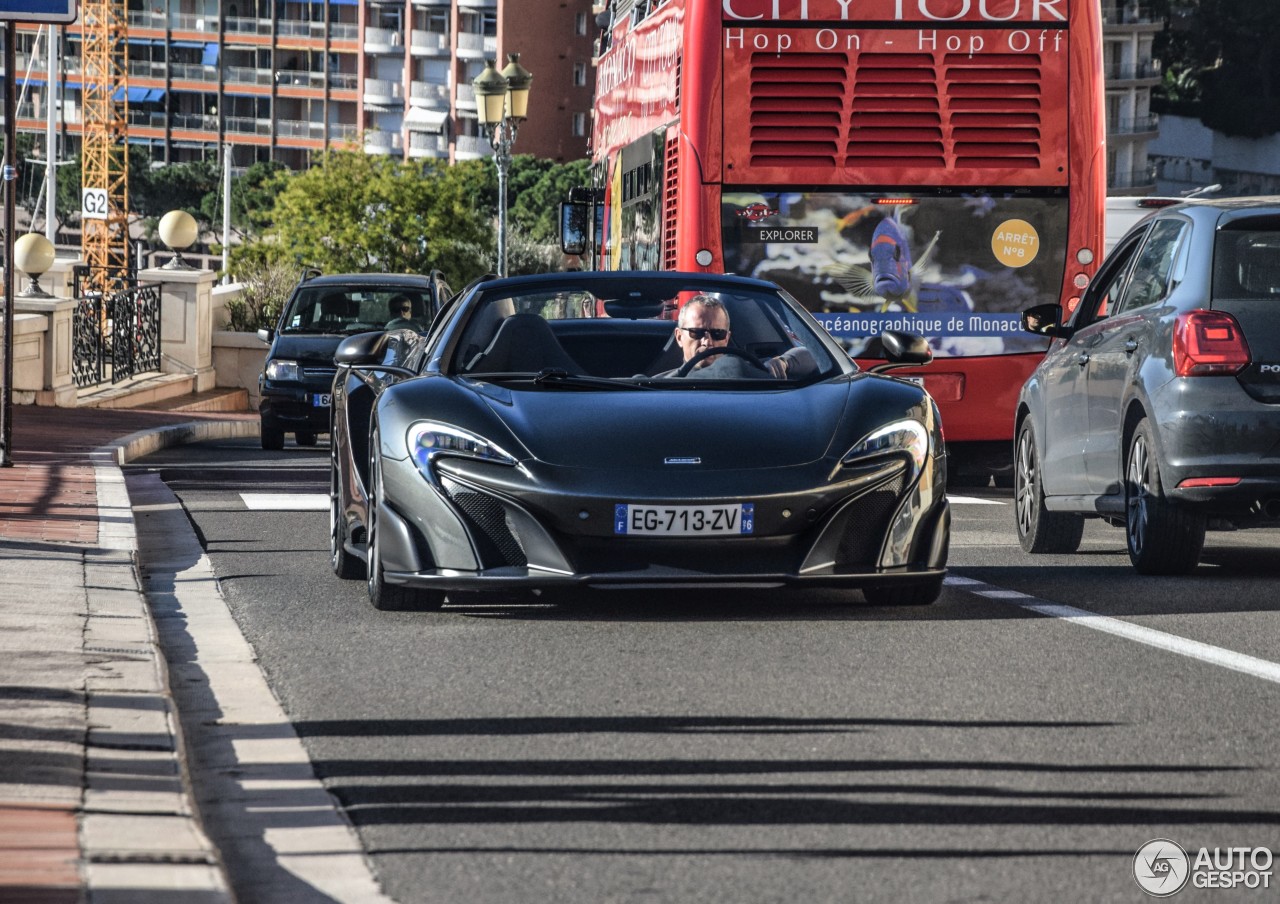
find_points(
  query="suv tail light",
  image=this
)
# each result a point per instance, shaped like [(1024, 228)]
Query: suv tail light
[(1208, 343)]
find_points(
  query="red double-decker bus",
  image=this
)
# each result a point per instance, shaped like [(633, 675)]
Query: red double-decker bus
[(934, 166)]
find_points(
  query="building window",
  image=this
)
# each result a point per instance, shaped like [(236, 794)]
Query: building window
[(579, 125), (580, 24), (579, 74)]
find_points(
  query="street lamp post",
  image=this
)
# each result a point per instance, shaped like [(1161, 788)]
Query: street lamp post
[(502, 103)]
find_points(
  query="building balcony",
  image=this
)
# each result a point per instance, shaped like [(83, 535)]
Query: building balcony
[(429, 94), (426, 144), (206, 24), (192, 72), (382, 91), (343, 81), (294, 29), (138, 18), (1132, 72), (428, 43), (383, 142), (383, 40), (1134, 125), (299, 78), (291, 128), (470, 147), (147, 120), (476, 47), (465, 97), (1113, 14), (244, 125), (478, 4), (242, 26), (1141, 181), (195, 122), (146, 69)]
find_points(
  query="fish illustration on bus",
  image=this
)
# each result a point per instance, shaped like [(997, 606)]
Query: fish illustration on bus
[(894, 279)]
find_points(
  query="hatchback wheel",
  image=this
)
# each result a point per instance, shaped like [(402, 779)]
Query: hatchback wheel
[(1039, 531), (1163, 537)]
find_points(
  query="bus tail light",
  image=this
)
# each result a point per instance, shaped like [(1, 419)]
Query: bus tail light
[(1208, 343)]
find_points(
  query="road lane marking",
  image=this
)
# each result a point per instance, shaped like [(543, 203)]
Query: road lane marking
[(285, 502), (1171, 643), (972, 500)]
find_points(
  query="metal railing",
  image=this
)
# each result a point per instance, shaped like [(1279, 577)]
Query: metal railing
[(116, 335), (1133, 125)]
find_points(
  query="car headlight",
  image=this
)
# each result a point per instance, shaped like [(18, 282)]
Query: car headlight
[(282, 369), (429, 440), (909, 436)]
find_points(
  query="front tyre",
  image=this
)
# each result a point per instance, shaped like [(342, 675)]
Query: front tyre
[(1039, 530), (1163, 537), (344, 564), (383, 596), (272, 435)]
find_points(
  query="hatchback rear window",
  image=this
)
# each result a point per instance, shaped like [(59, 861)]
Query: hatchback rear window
[(1246, 264)]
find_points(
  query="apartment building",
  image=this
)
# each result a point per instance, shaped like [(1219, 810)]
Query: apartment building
[(281, 79), (1128, 32)]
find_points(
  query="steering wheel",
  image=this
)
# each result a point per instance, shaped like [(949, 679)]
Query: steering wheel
[(720, 350)]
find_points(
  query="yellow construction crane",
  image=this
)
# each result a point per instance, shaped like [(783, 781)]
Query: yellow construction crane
[(104, 241)]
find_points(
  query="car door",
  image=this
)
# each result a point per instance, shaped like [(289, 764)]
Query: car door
[(1065, 377), (1122, 344)]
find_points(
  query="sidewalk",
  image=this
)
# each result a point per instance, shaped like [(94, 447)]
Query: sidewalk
[(95, 805)]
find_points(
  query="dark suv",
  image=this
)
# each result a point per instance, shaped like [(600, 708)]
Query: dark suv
[(297, 381), (1157, 406)]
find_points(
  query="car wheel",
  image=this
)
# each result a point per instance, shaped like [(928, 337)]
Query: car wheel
[(388, 597), (272, 437), (921, 593), (1039, 531), (1163, 537), (306, 438), (344, 564)]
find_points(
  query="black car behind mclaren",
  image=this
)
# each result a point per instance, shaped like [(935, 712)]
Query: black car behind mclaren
[(544, 436)]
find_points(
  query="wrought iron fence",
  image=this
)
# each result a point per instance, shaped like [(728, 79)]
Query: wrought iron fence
[(115, 336)]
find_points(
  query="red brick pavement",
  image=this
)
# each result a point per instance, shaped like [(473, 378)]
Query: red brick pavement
[(49, 493)]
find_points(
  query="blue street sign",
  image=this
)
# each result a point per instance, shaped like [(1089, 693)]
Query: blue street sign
[(37, 10)]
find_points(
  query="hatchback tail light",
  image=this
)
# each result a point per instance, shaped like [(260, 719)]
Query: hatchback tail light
[(1207, 343)]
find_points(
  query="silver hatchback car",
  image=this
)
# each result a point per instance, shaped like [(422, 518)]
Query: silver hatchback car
[(1157, 406)]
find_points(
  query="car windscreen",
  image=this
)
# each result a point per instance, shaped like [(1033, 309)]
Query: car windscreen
[(631, 331), (355, 309)]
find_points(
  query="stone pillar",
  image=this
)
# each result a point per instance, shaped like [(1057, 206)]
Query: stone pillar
[(186, 322), (55, 376)]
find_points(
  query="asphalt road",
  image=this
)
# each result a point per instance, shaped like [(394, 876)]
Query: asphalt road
[(1003, 744)]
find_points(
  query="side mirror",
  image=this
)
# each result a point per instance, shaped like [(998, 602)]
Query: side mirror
[(902, 350), (575, 221), (1044, 320), (362, 348), (266, 335)]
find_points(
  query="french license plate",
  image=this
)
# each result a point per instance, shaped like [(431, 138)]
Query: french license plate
[(321, 400), (684, 520)]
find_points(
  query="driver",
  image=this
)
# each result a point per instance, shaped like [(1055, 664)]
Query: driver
[(400, 307), (704, 324)]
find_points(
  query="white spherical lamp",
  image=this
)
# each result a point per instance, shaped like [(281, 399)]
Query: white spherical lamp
[(33, 254), (178, 230)]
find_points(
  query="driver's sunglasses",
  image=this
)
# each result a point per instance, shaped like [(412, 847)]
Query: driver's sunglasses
[(697, 332), (405, 309)]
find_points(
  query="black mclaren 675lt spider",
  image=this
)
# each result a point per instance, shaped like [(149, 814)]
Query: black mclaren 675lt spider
[(634, 430)]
